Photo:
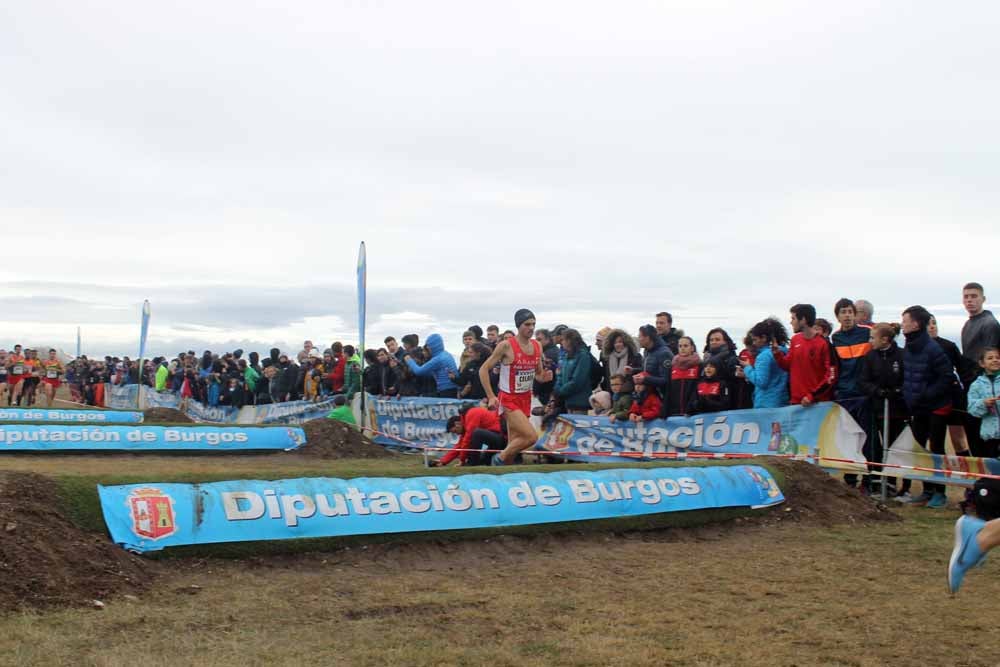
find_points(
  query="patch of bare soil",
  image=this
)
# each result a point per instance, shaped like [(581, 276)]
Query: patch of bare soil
[(166, 415), (45, 560), (815, 497), (332, 439)]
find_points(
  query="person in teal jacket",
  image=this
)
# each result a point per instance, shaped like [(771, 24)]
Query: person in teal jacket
[(573, 384), (983, 401), (770, 380)]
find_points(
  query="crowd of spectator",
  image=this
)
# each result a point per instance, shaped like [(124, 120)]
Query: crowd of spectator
[(930, 383)]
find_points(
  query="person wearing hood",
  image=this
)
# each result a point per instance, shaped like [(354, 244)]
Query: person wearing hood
[(619, 350), (770, 380), (440, 366), (927, 375)]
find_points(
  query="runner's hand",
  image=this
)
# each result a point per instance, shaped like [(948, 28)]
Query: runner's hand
[(491, 404)]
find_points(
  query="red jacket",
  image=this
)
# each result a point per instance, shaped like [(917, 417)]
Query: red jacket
[(648, 408), (471, 420), (337, 374), (810, 367)]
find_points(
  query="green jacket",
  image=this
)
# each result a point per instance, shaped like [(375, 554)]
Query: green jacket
[(250, 376), (621, 405), (161, 377), (352, 376), (344, 414)]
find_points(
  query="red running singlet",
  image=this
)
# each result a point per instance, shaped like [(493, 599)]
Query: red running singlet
[(518, 378)]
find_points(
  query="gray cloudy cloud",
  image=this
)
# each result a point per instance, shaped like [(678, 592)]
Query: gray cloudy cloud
[(721, 161)]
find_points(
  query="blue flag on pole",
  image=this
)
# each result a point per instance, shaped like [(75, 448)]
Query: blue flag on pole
[(144, 331), (362, 288)]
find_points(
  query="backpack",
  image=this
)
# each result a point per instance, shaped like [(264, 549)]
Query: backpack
[(596, 372)]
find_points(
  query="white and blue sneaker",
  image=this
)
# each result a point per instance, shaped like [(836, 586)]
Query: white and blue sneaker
[(966, 553), (497, 461)]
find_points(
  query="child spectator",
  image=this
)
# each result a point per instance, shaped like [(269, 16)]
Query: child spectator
[(770, 381), (881, 380), (684, 374), (983, 401), (600, 403), (713, 390), (621, 397), (646, 404)]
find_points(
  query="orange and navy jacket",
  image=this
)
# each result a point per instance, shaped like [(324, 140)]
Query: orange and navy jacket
[(850, 348)]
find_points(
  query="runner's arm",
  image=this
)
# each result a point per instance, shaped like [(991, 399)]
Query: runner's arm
[(499, 354)]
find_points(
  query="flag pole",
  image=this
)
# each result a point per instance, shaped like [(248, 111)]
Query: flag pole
[(362, 296), (143, 333)]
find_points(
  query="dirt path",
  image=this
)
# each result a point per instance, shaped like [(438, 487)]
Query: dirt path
[(756, 595)]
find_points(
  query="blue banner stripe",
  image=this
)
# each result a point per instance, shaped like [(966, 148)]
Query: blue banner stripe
[(33, 437), (54, 415), (147, 517)]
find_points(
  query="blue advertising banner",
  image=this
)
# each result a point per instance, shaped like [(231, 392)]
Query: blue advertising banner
[(33, 437), (919, 463), (417, 420), (149, 517), (289, 412), (53, 415), (824, 429)]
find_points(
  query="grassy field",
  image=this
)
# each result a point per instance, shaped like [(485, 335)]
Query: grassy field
[(671, 591), (718, 595)]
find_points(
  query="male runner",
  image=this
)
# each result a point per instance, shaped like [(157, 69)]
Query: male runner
[(3, 375), (975, 535), (520, 360), (52, 371), (32, 368), (15, 375)]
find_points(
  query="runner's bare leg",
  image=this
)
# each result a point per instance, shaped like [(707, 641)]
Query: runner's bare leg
[(521, 435)]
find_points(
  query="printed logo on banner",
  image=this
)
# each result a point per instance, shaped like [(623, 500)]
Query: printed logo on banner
[(559, 437), (767, 486), (152, 513), (297, 436)]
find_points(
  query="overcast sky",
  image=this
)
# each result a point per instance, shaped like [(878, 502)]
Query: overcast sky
[(596, 162)]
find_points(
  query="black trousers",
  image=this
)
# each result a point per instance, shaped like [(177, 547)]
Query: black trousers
[(861, 410), (930, 430), (483, 439)]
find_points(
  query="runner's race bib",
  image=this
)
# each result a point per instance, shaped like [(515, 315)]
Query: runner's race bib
[(52, 375), (524, 381), (18, 370)]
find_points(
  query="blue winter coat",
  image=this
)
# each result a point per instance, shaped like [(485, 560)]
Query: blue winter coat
[(770, 380), (438, 366), (985, 386), (573, 383), (927, 374)]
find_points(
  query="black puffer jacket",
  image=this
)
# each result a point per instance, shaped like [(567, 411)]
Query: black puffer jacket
[(882, 378), (927, 374)]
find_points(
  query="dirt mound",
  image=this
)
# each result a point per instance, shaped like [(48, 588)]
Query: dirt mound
[(331, 439), (168, 415), (816, 497), (46, 560)]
